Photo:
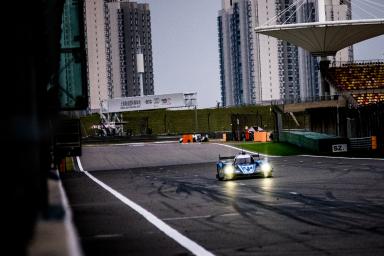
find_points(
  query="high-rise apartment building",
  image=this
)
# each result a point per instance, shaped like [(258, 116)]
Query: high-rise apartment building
[(243, 79), (268, 84), (96, 52), (128, 32), (116, 32), (255, 68), (308, 83), (288, 68), (298, 69), (233, 80)]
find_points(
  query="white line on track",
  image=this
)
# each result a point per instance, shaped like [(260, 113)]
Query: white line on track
[(330, 157), (165, 142), (340, 157), (184, 241), (250, 152)]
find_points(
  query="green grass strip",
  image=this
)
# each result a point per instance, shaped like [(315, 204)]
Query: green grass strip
[(273, 148)]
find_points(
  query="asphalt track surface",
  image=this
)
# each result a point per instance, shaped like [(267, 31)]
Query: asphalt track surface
[(312, 205)]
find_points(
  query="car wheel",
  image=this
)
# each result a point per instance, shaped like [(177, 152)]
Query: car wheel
[(219, 176)]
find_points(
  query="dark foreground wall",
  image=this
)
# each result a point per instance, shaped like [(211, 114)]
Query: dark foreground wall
[(365, 121), (31, 54)]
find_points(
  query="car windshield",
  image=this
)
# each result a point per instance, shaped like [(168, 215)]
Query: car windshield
[(245, 160)]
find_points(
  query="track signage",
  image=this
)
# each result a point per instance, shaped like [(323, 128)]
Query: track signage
[(339, 148), (173, 100)]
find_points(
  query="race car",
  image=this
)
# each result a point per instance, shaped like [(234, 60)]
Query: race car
[(243, 165)]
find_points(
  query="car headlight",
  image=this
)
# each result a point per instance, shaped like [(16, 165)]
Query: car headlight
[(266, 168), (229, 169)]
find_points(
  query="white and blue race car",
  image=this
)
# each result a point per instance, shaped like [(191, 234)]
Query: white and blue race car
[(243, 165)]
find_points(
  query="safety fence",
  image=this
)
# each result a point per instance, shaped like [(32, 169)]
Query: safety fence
[(360, 143)]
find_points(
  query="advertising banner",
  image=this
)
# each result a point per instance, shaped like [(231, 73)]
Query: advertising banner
[(173, 100)]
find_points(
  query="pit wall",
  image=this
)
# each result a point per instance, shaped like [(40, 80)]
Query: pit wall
[(315, 142)]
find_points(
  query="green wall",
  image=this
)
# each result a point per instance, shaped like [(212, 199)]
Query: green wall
[(184, 121)]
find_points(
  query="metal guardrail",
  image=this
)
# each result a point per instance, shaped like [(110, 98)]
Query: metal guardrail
[(356, 63), (311, 99), (293, 101), (360, 143)]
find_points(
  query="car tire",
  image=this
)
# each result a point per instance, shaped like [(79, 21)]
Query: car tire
[(218, 176)]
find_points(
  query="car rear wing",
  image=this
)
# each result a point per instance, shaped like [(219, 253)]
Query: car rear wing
[(226, 157), (255, 155)]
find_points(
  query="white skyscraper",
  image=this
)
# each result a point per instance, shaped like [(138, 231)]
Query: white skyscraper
[(129, 32), (115, 30), (269, 83), (96, 52), (255, 68), (244, 80)]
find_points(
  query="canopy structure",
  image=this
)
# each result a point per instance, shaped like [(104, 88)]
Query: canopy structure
[(325, 38)]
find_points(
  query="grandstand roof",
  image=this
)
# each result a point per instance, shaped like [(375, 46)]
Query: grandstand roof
[(325, 38)]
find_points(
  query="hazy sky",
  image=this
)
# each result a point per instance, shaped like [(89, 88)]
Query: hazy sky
[(185, 47), (373, 48)]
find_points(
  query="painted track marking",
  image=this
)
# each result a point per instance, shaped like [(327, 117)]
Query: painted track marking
[(247, 151), (314, 156), (184, 241)]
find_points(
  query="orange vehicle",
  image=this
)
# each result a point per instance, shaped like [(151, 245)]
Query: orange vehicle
[(187, 138)]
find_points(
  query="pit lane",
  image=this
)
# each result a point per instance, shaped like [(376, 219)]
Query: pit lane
[(312, 206)]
